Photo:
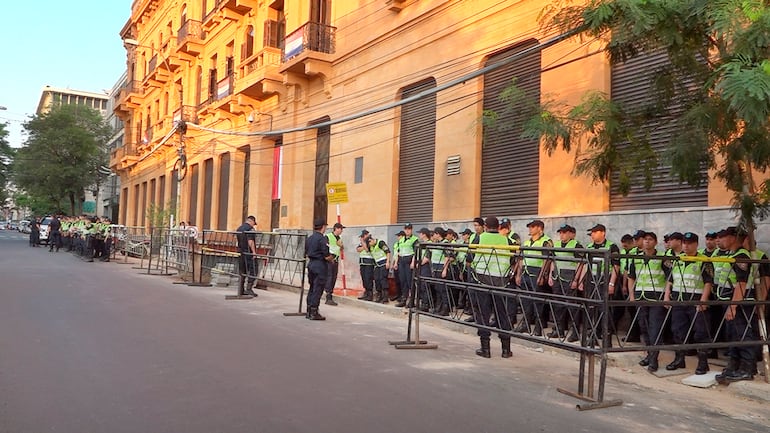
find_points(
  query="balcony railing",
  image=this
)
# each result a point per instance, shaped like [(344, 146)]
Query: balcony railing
[(311, 36), (186, 113), (191, 30), (265, 58)]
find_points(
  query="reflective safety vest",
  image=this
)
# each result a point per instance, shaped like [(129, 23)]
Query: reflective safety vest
[(437, 255), (724, 291), (333, 247), (721, 269), (405, 246), (754, 280), (461, 252), (378, 254), (534, 262), (565, 265), (624, 262), (687, 277), (649, 274), (365, 254), (495, 263)]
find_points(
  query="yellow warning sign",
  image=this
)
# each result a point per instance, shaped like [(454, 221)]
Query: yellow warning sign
[(337, 192)]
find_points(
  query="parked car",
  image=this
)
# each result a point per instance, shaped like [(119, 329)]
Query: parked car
[(24, 226), (13, 225), (44, 229)]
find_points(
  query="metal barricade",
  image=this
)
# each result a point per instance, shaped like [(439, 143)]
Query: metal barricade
[(130, 242), (571, 298)]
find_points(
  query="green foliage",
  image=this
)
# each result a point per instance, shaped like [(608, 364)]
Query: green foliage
[(717, 77), (6, 156), (62, 154), (160, 216)]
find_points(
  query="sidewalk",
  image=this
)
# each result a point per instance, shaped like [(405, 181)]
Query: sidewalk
[(623, 366)]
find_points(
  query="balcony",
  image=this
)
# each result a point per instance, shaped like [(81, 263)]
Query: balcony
[(128, 98), (189, 39), (221, 98), (227, 10), (258, 75), (308, 50), (116, 155), (157, 76), (186, 113)]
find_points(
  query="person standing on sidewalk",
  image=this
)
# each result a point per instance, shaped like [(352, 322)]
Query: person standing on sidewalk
[(248, 256), (335, 248), (405, 251), (54, 234), (318, 255), (366, 265)]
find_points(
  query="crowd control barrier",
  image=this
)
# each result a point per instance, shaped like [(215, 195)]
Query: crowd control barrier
[(573, 300)]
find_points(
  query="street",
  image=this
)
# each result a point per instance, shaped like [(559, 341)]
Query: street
[(101, 347)]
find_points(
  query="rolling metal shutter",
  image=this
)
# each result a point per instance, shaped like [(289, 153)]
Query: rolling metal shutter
[(417, 154), (194, 180), (224, 191), (510, 165), (631, 87), (208, 191)]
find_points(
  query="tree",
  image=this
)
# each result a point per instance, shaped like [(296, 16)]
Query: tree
[(62, 155), (6, 156), (718, 78)]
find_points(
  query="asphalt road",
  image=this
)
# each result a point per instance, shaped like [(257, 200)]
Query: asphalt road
[(99, 347)]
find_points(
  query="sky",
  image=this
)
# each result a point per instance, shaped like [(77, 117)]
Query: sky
[(69, 44)]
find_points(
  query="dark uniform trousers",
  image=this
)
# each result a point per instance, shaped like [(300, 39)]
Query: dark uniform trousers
[(333, 269), (651, 319), (744, 327), (423, 291), (566, 317), (534, 310), (317, 275), (404, 276), (366, 266), (438, 292), (380, 276), (682, 316), (248, 271), (485, 304)]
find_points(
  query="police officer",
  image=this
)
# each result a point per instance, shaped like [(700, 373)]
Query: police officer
[(422, 263), (248, 256), (318, 255), (335, 248), (405, 251), (563, 282), (647, 275), (492, 268), (381, 255), (690, 280), (532, 275), (366, 265), (743, 359)]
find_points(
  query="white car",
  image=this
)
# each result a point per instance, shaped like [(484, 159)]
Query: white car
[(44, 229), (3, 225)]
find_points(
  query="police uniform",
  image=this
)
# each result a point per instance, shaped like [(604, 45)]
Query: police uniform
[(492, 267), (380, 252), (248, 274), (317, 253), (334, 265), (647, 275), (366, 265), (563, 275), (404, 249), (534, 279), (687, 282)]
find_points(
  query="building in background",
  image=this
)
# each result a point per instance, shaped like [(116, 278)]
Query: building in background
[(110, 197), (279, 98)]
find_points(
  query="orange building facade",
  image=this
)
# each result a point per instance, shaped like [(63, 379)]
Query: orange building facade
[(279, 98)]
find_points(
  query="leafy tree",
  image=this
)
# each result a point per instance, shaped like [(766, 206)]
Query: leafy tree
[(62, 154), (718, 76), (6, 156)]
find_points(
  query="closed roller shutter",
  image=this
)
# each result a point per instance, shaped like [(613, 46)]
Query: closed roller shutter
[(224, 191), (631, 87), (417, 154), (510, 165), (208, 191)]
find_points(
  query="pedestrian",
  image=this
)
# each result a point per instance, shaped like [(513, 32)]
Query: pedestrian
[(247, 247), (422, 264), (405, 251), (647, 275), (382, 256), (690, 280), (335, 248), (34, 232), (318, 255)]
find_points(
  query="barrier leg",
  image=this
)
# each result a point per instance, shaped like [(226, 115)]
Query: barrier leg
[(408, 333), (417, 344)]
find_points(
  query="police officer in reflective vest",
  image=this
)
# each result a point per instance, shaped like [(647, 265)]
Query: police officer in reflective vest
[(691, 280), (335, 248), (532, 275), (318, 255), (381, 256), (405, 251), (743, 359), (366, 265), (647, 275), (492, 267), (563, 282)]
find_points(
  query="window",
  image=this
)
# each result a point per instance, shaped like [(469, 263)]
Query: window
[(358, 176), (248, 44)]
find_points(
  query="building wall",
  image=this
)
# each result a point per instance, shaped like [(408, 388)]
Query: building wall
[(378, 53)]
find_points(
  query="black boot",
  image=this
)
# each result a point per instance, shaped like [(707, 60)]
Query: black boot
[(383, 297), (652, 358), (367, 296), (703, 362), (506, 343), (645, 361), (678, 361), (312, 314), (330, 300), (484, 350)]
